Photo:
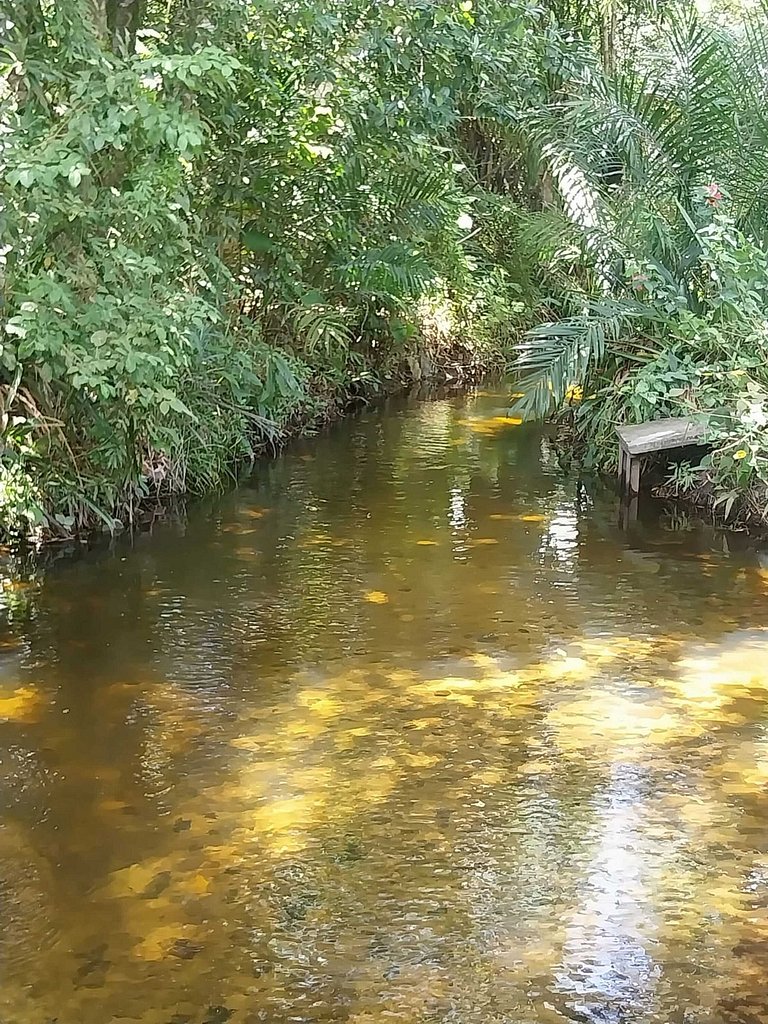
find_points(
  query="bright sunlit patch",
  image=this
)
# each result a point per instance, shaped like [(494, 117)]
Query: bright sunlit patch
[(483, 661), (448, 686), (606, 650), (600, 719), (490, 777), (284, 824), (711, 679), (560, 668), (322, 704)]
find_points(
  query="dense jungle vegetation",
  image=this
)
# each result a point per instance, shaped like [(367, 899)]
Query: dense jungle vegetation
[(220, 218)]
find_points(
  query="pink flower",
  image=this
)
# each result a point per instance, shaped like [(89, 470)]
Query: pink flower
[(712, 193), (639, 282)]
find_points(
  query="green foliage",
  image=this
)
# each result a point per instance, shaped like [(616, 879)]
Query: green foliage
[(217, 218), (220, 218), (667, 313)]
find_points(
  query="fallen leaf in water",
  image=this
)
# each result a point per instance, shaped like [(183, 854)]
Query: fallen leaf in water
[(490, 777), (537, 767), (112, 805), (22, 706), (427, 543), (376, 597), (421, 759)]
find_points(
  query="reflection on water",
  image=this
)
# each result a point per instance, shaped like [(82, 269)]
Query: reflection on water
[(406, 730)]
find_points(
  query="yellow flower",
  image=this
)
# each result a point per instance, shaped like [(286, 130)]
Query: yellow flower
[(741, 454)]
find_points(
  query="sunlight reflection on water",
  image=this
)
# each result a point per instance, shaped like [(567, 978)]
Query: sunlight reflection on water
[(404, 729)]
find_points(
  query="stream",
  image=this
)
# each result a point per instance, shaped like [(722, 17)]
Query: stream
[(403, 730)]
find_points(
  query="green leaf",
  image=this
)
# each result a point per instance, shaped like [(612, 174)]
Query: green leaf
[(256, 240)]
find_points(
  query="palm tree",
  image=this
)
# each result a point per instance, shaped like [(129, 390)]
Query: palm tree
[(686, 113)]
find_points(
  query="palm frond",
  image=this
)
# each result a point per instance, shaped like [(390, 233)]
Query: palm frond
[(392, 271), (415, 199), (321, 327), (555, 356)]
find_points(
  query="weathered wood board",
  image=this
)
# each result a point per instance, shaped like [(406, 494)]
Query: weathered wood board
[(656, 436), (660, 435)]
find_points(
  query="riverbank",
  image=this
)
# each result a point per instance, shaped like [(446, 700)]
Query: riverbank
[(749, 512), (39, 511), (720, 483)]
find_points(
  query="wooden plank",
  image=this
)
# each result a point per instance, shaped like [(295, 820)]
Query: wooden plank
[(660, 435), (634, 476)]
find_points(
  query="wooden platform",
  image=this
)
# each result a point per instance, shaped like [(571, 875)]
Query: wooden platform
[(656, 436)]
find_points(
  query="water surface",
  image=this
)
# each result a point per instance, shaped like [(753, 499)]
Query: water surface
[(404, 730)]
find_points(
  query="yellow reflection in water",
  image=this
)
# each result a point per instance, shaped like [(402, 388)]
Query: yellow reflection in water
[(22, 705), (491, 425)]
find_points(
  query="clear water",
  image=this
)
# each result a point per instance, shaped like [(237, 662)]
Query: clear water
[(404, 730)]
